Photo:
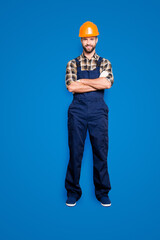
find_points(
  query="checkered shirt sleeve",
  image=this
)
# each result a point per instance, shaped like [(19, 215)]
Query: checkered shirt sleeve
[(71, 72), (107, 66)]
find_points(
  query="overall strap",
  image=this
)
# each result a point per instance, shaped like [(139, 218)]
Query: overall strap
[(99, 61), (77, 62)]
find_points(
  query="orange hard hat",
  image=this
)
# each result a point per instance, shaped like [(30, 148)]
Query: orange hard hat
[(88, 29)]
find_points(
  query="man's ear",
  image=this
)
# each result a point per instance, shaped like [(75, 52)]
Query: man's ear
[(97, 40)]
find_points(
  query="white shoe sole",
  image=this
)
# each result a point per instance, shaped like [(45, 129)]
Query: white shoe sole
[(106, 205), (71, 204)]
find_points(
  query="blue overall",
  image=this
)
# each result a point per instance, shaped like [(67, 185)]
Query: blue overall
[(88, 111)]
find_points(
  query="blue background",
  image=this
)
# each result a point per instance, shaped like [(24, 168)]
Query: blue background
[(37, 40)]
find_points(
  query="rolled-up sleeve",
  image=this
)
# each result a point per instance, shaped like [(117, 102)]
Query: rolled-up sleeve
[(71, 72), (107, 69)]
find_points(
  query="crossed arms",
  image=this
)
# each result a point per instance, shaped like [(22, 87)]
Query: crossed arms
[(87, 85)]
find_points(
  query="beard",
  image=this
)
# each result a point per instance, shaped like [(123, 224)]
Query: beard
[(87, 50)]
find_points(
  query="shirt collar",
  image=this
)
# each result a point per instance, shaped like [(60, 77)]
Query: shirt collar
[(95, 56)]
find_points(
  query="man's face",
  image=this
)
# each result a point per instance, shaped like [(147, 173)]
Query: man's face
[(89, 43)]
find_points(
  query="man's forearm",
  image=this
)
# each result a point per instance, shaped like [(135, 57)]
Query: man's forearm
[(99, 83), (79, 87)]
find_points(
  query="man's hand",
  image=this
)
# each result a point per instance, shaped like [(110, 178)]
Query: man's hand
[(79, 87), (99, 83)]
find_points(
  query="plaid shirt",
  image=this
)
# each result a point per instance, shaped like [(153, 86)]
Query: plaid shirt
[(87, 64)]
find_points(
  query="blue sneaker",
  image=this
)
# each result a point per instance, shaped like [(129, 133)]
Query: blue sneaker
[(71, 201), (105, 201)]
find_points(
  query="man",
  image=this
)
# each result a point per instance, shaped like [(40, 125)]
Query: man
[(86, 77)]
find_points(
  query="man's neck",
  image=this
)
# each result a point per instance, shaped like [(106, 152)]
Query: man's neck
[(89, 55)]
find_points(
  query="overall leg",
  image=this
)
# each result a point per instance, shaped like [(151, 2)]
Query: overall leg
[(98, 132), (77, 129)]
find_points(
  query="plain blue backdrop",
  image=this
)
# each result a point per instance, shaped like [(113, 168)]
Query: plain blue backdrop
[(37, 40)]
